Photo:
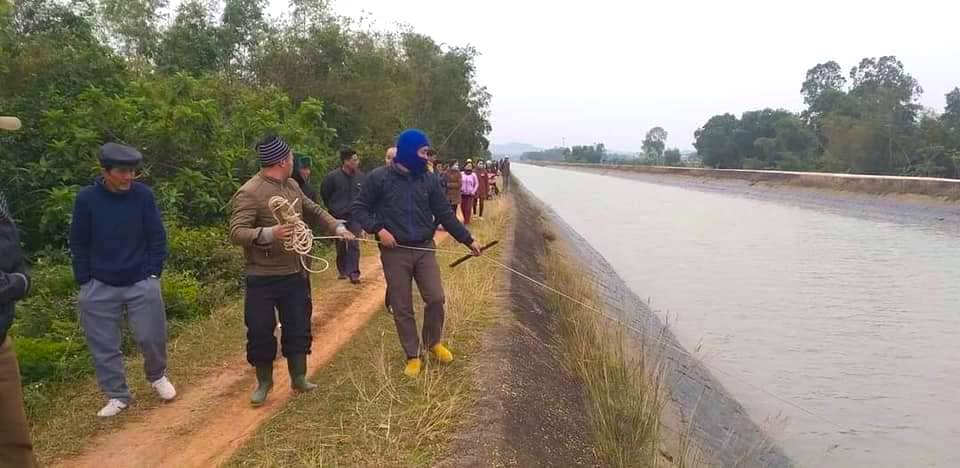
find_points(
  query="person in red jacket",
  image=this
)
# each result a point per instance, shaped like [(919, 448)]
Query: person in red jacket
[(483, 189), (492, 174)]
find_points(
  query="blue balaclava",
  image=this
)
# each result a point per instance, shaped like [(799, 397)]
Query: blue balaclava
[(408, 143)]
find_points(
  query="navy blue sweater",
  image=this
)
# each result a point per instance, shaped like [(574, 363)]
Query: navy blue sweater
[(117, 238)]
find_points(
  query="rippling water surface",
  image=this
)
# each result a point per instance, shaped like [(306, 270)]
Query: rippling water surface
[(854, 319)]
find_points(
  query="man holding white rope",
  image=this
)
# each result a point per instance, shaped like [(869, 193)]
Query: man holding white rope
[(276, 276)]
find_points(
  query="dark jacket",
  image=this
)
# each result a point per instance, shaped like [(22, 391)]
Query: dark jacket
[(14, 277), (339, 190), (406, 205), (306, 188), (117, 238)]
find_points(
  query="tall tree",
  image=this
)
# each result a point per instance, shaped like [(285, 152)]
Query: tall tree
[(887, 95), (824, 92), (654, 142), (133, 27), (190, 43), (951, 118), (671, 157), (715, 142), (242, 28), (823, 78)]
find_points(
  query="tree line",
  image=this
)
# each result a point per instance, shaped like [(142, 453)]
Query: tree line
[(654, 153), (194, 92), (867, 121)]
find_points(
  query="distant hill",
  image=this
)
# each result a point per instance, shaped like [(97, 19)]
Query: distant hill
[(511, 149)]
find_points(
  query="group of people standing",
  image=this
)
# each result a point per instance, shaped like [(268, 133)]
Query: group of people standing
[(470, 188), (118, 245)]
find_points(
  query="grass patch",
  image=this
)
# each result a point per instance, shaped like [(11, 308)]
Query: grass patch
[(622, 374), (366, 412)]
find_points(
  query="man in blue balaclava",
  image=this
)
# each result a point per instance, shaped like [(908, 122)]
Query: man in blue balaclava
[(398, 203)]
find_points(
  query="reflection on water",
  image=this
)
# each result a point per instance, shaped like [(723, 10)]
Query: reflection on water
[(856, 320)]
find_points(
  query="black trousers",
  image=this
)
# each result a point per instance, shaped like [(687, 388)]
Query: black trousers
[(289, 296), (348, 253)]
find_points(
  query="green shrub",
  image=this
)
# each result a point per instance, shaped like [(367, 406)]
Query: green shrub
[(206, 253), (52, 277), (753, 164), (181, 295), (44, 315), (46, 360), (51, 309)]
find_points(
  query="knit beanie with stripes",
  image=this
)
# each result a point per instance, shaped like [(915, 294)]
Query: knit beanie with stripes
[(272, 150)]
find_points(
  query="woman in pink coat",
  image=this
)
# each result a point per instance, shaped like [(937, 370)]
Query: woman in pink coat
[(468, 189)]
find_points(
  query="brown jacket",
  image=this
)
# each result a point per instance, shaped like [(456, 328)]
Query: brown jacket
[(251, 214), (452, 176)]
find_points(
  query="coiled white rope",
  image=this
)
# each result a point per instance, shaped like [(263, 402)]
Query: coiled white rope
[(301, 239)]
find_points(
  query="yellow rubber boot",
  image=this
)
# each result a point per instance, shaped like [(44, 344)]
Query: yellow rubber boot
[(441, 353), (412, 368)]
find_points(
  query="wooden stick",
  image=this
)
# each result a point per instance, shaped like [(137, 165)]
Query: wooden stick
[(468, 257)]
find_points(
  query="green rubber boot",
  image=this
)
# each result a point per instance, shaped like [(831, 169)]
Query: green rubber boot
[(297, 365), (264, 384)]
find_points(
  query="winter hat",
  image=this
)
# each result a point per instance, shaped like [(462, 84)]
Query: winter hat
[(408, 143), (302, 160), (272, 150)]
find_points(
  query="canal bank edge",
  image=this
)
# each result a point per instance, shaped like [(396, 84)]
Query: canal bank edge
[(698, 406), (932, 188)]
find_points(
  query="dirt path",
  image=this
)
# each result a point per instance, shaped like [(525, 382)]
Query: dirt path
[(212, 418)]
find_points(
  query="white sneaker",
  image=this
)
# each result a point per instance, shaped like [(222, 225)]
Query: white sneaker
[(112, 408), (164, 388)]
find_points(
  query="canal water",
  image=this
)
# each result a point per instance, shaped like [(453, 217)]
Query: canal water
[(855, 319)]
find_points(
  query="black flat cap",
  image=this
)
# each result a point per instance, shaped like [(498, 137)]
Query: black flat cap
[(113, 154)]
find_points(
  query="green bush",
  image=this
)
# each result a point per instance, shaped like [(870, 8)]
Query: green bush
[(52, 276), (181, 295), (206, 253), (753, 164), (47, 360), (46, 316), (51, 309)]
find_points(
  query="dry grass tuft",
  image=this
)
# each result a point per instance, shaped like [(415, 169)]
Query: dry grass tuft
[(623, 375)]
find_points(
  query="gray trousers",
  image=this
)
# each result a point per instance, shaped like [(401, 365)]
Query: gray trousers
[(400, 267), (101, 309), (348, 253)]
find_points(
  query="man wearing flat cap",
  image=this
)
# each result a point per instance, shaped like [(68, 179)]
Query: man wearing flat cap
[(118, 245)]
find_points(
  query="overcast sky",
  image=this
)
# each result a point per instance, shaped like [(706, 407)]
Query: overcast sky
[(607, 71)]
